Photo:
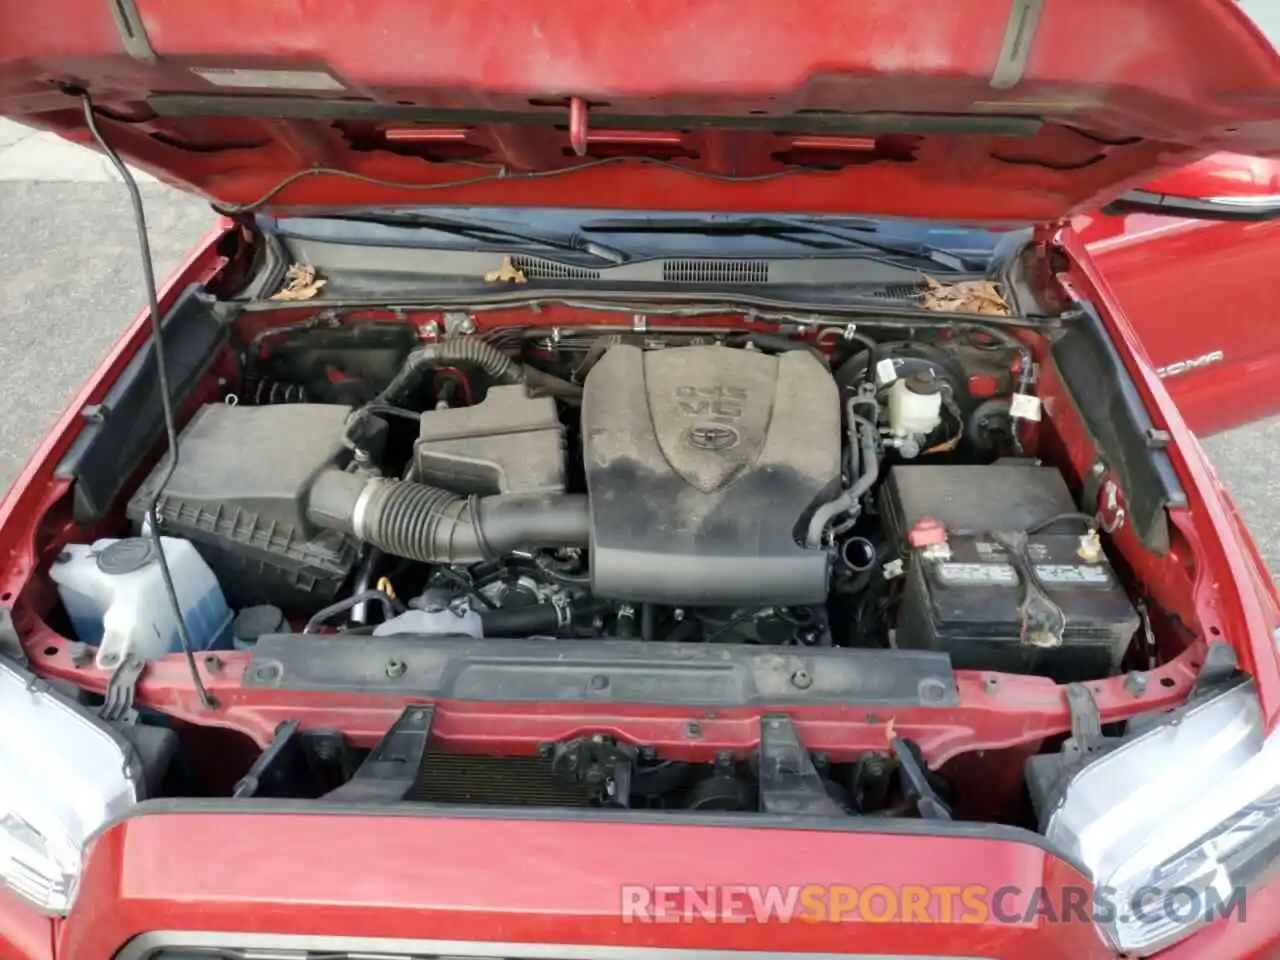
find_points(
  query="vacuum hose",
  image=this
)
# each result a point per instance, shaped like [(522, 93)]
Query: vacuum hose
[(431, 525)]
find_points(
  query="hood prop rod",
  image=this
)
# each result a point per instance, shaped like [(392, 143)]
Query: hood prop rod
[(166, 399)]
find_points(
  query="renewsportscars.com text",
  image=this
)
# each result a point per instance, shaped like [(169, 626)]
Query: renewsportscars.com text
[(909, 903)]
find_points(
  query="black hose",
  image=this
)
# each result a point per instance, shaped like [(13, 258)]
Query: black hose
[(1090, 523), (480, 353), (364, 582), (549, 569), (470, 350), (869, 371), (863, 431), (432, 525), (534, 618), (393, 607), (648, 621), (779, 343)]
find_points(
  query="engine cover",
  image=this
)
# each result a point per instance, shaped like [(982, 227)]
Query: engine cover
[(703, 464)]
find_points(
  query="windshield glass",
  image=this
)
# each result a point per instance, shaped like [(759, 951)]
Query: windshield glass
[(650, 234)]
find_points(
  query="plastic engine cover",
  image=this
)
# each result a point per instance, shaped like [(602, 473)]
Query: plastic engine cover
[(703, 464)]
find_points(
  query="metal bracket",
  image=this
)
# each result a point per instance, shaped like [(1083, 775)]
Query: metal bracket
[(789, 782), (603, 766), (1220, 665), (1015, 48), (122, 689), (1086, 723), (283, 743), (132, 31), (392, 767), (915, 782), (578, 125)]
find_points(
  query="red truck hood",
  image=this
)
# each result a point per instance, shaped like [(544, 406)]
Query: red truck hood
[(955, 109)]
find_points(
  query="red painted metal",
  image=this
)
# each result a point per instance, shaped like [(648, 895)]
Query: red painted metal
[(1197, 293), (1228, 599), (24, 934), (1128, 89), (556, 880), (1221, 175)]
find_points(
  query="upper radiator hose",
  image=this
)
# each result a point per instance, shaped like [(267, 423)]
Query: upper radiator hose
[(432, 525)]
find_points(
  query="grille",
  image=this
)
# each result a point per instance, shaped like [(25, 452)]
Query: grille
[(898, 291), (496, 781), (535, 268), (715, 271)]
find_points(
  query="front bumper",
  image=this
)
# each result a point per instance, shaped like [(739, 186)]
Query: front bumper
[(419, 883)]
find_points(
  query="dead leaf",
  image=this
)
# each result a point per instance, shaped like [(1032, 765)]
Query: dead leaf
[(966, 296), (300, 283), (507, 273)]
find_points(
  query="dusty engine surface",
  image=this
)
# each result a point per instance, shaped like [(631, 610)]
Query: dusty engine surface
[(702, 464)]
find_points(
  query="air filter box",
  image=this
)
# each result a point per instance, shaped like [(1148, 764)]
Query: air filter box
[(239, 494), (964, 597)]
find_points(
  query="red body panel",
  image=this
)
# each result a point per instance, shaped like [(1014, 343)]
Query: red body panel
[(555, 881), (807, 106), (1199, 294)]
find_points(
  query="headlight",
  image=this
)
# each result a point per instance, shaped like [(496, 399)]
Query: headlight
[(1177, 822), (62, 775)]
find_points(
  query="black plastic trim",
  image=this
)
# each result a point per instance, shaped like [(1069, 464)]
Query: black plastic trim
[(601, 671), (311, 108), (1192, 208), (123, 428), (1120, 426)]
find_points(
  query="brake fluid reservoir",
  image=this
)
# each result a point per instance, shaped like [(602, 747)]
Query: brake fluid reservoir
[(114, 593), (915, 405)]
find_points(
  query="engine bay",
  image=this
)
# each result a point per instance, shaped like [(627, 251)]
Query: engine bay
[(862, 518), (730, 489)]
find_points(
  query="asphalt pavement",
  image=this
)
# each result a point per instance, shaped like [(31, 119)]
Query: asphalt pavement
[(70, 279)]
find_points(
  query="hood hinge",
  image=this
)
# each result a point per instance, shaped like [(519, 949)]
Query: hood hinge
[(1047, 259)]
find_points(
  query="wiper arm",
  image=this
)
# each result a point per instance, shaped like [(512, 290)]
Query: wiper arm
[(478, 230), (795, 229)]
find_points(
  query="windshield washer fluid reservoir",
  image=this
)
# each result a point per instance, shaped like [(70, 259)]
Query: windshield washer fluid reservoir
[(114, 593)]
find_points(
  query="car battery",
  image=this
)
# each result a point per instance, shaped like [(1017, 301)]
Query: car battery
[(964, 589)]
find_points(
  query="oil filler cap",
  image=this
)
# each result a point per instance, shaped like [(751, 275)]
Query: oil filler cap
[(126, 556)]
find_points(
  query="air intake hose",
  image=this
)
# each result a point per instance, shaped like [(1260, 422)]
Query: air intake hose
[(432, 525)]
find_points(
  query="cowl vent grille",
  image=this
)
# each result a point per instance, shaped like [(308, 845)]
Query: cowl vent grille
[(535, 268), (715, 271)]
